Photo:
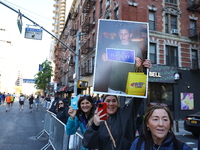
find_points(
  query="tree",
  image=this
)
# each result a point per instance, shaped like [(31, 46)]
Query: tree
[(42, 78)]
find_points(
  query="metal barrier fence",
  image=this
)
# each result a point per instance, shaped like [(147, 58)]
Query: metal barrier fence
[(57, 137)]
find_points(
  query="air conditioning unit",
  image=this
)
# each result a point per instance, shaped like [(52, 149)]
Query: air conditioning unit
[(175, 31)]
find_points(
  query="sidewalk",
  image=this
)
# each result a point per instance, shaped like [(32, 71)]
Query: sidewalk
[(181, 129)]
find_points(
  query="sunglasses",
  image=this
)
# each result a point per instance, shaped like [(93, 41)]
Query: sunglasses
[(161, 104), (86, 95), (60, 103)]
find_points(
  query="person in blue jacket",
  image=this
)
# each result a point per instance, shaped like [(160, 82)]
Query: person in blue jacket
[(158, 131), (82, 117)]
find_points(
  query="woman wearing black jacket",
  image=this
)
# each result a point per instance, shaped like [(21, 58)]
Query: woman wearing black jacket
[(62, 111), (121, 123)]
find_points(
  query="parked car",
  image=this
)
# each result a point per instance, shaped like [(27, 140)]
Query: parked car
[(192, 123)]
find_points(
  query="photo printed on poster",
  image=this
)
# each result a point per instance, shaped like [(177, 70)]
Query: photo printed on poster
[(122, 47)]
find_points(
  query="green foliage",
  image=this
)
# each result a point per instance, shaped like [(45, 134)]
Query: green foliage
[(42, 78)]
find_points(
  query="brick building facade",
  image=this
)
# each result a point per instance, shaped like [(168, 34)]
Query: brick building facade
[(174, 46)]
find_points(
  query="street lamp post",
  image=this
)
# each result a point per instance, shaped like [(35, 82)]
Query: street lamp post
[(76, 76)]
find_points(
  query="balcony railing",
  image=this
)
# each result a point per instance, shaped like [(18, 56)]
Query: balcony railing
[(73, 15), (86, 71), (194, 34), (86, 26), (73, 32), (86, 48), (87, 5), (194, 5)]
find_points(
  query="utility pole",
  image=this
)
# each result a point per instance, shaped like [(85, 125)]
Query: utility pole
[(76, 76)]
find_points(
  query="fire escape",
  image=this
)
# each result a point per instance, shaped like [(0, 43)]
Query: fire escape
[(86, 70), (87, 26), (86, 48), (194, 6), (87, 5)]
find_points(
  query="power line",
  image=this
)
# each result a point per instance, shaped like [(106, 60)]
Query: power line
[(28, 10), (17, 7)]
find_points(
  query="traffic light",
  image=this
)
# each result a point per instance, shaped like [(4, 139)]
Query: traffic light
[(82, 84)]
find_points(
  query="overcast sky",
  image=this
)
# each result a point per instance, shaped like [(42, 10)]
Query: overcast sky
[(28, 53)]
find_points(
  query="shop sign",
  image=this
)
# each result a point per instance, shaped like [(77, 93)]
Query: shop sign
[(155, 74), (162, 74)]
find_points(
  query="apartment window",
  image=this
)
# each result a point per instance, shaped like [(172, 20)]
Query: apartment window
[(195, 59), (153, 53), (171, 1), (152, 20), (94, 15), (107, 3), (170, 23), (92, 64), (116, 14), (101, 7), (192, 28), (171, 56), (93, 41)]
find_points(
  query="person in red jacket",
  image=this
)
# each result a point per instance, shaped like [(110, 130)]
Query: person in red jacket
[(8, 101)]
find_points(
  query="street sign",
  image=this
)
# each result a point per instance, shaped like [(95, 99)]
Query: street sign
[(32, 33), (28, 80)]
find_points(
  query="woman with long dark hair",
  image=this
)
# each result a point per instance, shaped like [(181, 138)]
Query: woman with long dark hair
[(81, 117), (62, 111)]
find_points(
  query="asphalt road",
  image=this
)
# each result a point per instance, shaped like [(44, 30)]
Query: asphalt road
[(18, 129)]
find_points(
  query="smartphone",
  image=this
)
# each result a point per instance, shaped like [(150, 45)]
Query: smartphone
[(103, 106), (74, 102)]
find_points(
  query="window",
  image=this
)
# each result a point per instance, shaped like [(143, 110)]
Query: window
[(171, 1), (192, 28), (93, 41), (92, 64), (116, 14), (101, 7), (107, 3), (152, 20), (171, 56), (161, 93), (170, 23), (153, 53), (194, 59), (94, 15)]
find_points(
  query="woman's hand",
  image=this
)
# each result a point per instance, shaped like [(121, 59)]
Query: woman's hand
[(104, 57), (72, 112), (147, 63), (97, 117)]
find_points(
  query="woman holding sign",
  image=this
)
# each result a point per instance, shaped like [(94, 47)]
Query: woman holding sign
[(82, 116), (118, 131)]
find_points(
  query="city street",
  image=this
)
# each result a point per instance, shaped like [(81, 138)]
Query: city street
[(18, 129), (186, 136)]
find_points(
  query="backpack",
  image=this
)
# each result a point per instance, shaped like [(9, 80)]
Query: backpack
[(177, 144)]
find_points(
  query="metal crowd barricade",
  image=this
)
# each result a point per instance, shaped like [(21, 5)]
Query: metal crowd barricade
[(56, 131), (75, 142), (58, 137), (47, 124), (46, 104)]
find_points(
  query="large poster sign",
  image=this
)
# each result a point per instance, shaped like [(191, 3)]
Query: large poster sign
[(121, 48)]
